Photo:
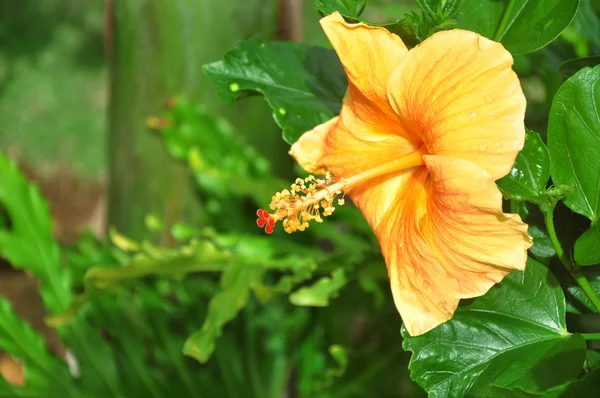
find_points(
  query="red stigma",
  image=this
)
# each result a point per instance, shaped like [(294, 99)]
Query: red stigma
[(265, 220)]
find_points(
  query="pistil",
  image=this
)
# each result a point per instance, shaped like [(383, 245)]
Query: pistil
[(305, 199)]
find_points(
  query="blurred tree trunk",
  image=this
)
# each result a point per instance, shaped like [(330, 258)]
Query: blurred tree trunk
[(290, 22), (156, 49)]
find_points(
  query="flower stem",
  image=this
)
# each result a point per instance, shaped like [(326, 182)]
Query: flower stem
[(591, 336), (566, 261)]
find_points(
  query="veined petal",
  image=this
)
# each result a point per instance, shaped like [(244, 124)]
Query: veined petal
[(309, 149), (458, 91), (331, 147), (446, 238), (369, 55)]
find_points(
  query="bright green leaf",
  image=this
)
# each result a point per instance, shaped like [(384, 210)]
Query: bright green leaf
[(574, 144), (304, 85), (513, 337), (19, 340), (319, 294), (530, 173), (574, 140), (121, 241), (522, 26), (236, 282), (350, 8), (587, 247), (28, 243), (340, 355)]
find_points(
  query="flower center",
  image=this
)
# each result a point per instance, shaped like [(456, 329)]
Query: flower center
[(305, 199)]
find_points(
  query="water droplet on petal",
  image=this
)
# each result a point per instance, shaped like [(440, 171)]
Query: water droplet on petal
[(482, 147), (233, 87), (498, 144), (473, 115), (489, 100)]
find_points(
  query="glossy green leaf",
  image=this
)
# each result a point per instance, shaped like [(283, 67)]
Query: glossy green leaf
[(530, 173), (304, 85), (319, 294), (574, 144), (513, 337), (572, 66), (28, 243), (522, 26), (587, 247), (351, 8)]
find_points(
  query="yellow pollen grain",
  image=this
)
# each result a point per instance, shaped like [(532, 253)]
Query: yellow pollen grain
[(309, 199)]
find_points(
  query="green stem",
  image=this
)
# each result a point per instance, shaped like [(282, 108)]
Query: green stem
[(591, 336), (566, 261), (549, 220)]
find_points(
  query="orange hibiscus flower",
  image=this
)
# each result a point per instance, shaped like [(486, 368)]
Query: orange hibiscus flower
[(421, 138)]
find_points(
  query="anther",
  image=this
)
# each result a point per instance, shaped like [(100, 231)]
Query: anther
[(309, 199)]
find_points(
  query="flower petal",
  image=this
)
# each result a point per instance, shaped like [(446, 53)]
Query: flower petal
[(309, 149), (458, 90), (369, 55), (331, 147), (446, 238)]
